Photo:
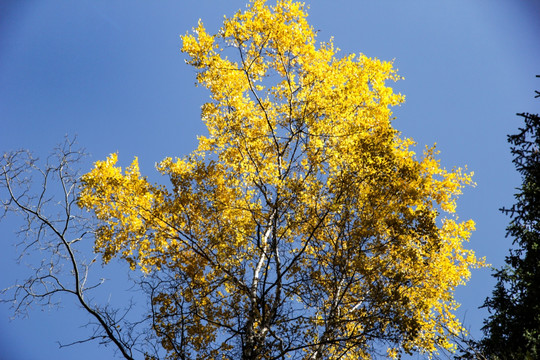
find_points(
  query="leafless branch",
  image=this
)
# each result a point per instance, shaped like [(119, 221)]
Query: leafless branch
[(44, 195)]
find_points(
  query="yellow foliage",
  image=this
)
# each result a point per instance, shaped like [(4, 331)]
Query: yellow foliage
[(303, 224)]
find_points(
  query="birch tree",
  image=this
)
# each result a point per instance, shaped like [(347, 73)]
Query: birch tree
[(303, 226)]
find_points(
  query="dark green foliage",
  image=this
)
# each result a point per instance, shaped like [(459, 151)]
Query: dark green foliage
[(512, 330)]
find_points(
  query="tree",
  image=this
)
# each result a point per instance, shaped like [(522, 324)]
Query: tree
[(303, 226), (512, 331)]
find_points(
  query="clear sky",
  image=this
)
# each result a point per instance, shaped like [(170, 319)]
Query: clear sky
[(111, 73)]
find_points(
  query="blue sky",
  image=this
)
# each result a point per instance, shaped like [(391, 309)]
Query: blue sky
[(111, 72)]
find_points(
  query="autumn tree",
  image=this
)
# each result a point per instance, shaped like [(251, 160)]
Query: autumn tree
[(513, 327), (304, 226)]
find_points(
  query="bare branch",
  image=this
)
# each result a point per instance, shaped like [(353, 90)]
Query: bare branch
[(45, 195)]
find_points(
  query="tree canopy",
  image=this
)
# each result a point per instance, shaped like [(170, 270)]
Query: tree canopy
[(513, 328), (304, 225)]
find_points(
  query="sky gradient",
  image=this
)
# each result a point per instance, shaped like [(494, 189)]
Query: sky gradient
[(112, 74)]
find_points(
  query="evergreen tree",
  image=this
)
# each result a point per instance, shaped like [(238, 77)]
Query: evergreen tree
[(512, 331)]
